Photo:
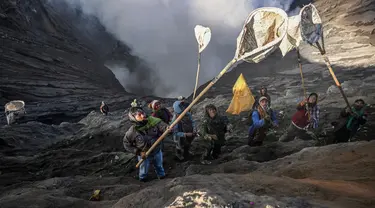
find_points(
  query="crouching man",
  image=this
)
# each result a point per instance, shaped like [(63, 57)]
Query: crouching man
[(351, 119), (141, 136), (213, 129)]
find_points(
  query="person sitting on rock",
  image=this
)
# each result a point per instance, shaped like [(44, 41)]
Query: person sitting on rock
[(262, 119), (160, 112), (349, 122), (141, 136), (213, 129), (262, 93), (104, 108), (184, 132), (307, 116)]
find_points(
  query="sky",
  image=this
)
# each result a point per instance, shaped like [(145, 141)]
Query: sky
[(161, 32)]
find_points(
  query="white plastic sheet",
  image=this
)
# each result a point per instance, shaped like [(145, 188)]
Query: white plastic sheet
[(203, 36)]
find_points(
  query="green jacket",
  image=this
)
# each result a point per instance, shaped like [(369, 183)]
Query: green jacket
[(216, 126)]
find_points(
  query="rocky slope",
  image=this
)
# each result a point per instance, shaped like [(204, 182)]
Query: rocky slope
[(44, 165), (53, 63)]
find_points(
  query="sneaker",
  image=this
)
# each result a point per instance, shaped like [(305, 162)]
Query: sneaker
[(161, 177)]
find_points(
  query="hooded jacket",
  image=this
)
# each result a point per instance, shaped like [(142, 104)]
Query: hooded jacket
[(178, 108), (303, 117), (300, 118), (140, 138), (163, 114)]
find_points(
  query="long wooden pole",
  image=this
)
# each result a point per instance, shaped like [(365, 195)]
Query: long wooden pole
[(226, 68), (338, 84), (197, 76)]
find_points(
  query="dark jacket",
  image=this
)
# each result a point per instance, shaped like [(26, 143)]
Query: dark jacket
[(139, 139), (163, 114), (354, 124), (216, 126), (178, 130)]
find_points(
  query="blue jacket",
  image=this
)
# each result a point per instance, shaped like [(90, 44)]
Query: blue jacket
[(178, 109), (259, 123)]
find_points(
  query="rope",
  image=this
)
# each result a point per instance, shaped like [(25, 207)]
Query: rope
[(300, 69), (303, 82)]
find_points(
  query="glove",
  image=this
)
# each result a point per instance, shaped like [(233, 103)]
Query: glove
[(267, 118), (210, 137), (143, 155), (348, 110), (214, 137)]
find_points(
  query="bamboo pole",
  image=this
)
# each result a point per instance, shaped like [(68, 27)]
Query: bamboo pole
[(226, 68), (197, 76), (328, 64)]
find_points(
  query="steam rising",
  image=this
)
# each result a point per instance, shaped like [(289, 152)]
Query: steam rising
[(161, 32)]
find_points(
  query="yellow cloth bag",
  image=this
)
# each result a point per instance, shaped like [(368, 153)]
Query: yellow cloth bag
[(242, 99)]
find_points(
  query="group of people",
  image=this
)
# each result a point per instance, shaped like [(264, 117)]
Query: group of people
[(146, 129), (304, 121)]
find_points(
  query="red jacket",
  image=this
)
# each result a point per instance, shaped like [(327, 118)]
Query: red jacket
[(301, 117)]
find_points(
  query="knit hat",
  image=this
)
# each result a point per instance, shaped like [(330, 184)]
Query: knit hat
[(152, 105)]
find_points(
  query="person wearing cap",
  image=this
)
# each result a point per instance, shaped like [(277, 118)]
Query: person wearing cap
[(350, 120), (158, 111), (262, 119), (306, 117), (143, 133)]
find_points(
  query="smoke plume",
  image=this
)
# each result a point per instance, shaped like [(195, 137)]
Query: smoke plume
[(161, 32)]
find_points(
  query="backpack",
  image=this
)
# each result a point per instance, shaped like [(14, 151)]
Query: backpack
[(168, 115), (186, 124), (164, 115)]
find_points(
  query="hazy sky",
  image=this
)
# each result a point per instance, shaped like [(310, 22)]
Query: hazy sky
[(162, 33)]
